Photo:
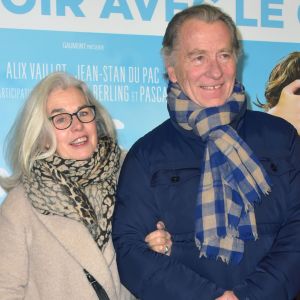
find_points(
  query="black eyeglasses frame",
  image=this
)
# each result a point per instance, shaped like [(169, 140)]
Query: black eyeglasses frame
[(93, 107)]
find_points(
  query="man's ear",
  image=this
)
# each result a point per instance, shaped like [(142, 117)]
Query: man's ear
[(171, 74)]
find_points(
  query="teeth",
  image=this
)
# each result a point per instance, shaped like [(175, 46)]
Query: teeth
[(80, 140), (214, 87)]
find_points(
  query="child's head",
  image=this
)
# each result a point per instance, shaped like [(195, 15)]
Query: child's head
[(286, 71)]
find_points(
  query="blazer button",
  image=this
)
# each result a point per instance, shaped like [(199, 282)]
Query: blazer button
[(175, 179), (273, 167)]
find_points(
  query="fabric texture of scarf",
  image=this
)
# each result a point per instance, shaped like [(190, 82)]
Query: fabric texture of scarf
[(82, 190), (232, 179)]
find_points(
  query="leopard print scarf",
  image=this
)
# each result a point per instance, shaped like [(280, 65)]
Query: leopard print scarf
[(82, 190)]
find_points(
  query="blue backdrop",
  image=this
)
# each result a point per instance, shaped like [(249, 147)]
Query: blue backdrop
[(115, 47)]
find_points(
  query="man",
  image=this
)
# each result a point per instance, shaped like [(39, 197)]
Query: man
[(224, 180)]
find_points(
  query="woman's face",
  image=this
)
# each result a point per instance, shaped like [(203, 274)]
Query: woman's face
[(78, 141)]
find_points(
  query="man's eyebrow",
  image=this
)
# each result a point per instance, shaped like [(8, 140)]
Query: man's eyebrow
[(195, 52), (226, 50)]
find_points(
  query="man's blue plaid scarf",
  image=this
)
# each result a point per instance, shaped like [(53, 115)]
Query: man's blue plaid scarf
[(232, 178)]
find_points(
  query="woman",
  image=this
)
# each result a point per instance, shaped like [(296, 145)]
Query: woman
[(55, 224)]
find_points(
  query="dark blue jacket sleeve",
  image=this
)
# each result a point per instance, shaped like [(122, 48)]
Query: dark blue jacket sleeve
[(277, 275), (147, 274)]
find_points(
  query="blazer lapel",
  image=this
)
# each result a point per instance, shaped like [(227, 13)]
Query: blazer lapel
[(78, 242)]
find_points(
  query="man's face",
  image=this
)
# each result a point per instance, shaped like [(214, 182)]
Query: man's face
[(204, 62)]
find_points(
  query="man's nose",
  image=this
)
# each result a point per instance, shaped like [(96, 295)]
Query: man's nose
[(214, 69)]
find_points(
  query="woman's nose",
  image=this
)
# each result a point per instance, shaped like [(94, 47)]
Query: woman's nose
[(76, 124)]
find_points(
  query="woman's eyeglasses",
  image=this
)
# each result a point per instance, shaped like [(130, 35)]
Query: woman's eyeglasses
[(63, 121)]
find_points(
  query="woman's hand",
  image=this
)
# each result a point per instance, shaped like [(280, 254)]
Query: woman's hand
[(159, 240), (228, 295), (288, 106)]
